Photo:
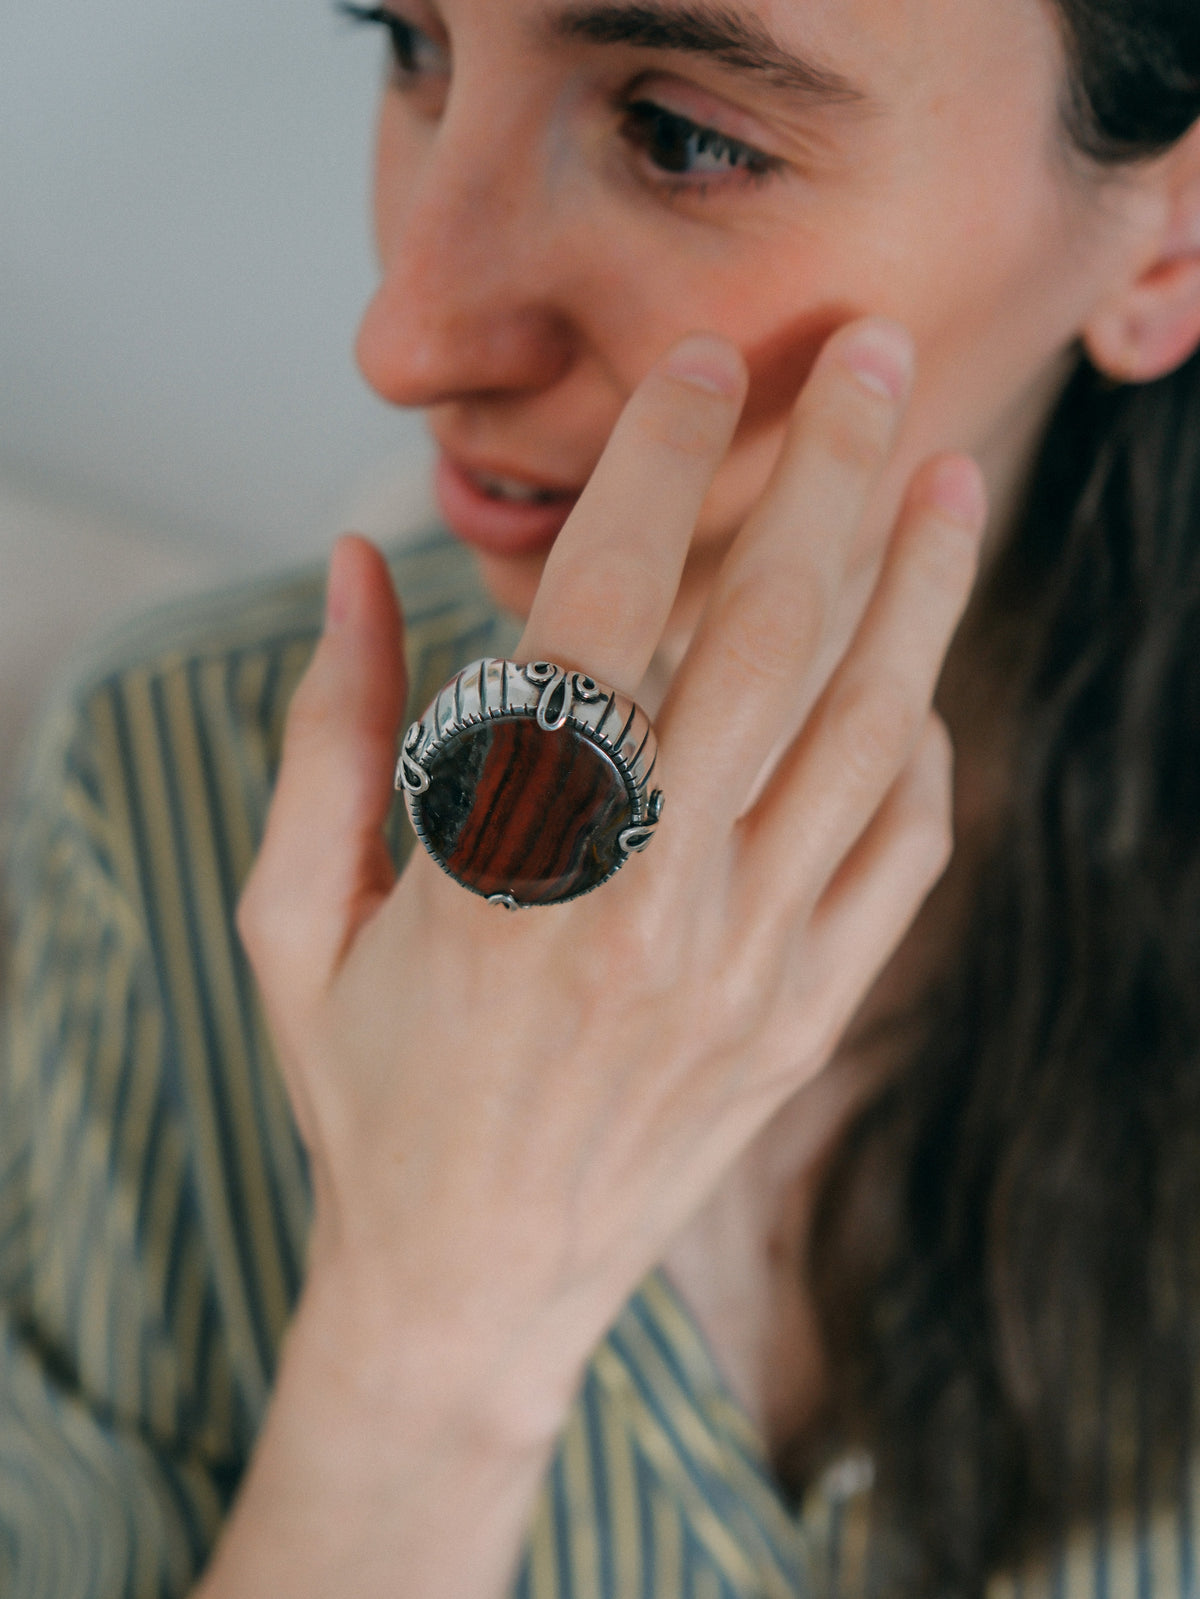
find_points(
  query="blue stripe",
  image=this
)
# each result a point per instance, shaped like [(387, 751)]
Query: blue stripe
[(599, 1474), (197, 1534), (714, 1490), (645, 1489), (701, 1479), (562, 1530), (520, 1588), (717, 1490), (673, 1360)]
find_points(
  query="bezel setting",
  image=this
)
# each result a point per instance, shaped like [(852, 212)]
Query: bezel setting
[(609, 742)]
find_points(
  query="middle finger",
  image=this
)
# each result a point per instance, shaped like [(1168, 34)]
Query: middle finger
[(759, 654)]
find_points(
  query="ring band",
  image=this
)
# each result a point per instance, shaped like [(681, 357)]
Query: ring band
[(529, 784)]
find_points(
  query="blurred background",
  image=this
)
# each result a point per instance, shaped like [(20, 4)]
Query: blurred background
[(184, 254)]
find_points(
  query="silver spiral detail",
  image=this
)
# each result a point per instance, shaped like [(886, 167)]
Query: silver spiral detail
[(560, 690), (635, 839), (411, 776)]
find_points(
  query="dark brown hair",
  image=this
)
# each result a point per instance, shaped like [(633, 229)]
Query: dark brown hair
[(1006, 1255)]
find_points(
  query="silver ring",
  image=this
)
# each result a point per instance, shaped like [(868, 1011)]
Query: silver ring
[(530, 785)]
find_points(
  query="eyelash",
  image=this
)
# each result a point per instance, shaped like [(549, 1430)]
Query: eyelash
[(402, 35), (646, 124)]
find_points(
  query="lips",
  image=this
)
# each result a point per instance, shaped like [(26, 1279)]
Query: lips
[(500, 512)]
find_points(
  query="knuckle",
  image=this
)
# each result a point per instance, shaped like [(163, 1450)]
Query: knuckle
[(877, 723), (856, 433), (936, 754), (604, 585), (312, 708), (642, 956), (750, 972), (267, 924), (770, 623), (683, 419), (929, 843), (947, 556), (929, 818)]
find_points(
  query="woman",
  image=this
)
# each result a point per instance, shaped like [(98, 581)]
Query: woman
[(921, 1178)]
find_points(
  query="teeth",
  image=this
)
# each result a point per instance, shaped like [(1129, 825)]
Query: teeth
[(503, 488)]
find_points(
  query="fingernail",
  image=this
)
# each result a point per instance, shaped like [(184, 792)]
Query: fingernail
[(707, 363), (881, 356), (958, 489)]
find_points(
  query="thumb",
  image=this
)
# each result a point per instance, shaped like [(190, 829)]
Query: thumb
[(324, 867)]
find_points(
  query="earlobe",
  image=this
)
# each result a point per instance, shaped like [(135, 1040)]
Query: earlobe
[(1153, 330), (1152, 326)]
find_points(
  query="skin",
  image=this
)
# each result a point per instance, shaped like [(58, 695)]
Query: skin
[(516, 308), (783, 576), (515, 304)]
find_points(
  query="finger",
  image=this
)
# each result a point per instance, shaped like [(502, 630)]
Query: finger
[(323, 866), (880, 888), (613, 574), (751, 666), (833, 779)]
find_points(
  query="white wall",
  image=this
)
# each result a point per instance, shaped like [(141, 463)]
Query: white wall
[(184, 252)]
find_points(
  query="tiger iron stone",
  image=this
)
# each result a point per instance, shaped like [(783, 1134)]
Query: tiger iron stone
[(511, 809)]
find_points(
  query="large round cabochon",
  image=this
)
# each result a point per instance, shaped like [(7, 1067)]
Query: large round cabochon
[(514, 810)]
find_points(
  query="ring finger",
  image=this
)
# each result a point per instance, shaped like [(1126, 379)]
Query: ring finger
[(833, 780)]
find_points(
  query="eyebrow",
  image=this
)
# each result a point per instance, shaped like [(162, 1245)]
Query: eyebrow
[(731, 37)]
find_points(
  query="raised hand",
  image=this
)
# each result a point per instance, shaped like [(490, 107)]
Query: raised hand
[(510, 1116)]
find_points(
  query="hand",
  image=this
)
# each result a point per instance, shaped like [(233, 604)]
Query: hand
[(509, 1117)]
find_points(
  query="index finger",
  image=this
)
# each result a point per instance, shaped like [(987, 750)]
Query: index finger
[(614, 571)]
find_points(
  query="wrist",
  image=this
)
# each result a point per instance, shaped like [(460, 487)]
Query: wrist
[(442, 1371), (365, 1467)]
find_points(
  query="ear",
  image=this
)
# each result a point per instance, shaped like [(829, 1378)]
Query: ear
[(1151, 325)]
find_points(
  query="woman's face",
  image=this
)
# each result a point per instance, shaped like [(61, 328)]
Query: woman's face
[(567, 187)]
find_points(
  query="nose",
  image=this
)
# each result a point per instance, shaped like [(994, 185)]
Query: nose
[(466, 306)]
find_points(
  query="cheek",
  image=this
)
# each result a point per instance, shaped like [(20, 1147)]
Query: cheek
[(983, 353), (995, 291), (756, 312)]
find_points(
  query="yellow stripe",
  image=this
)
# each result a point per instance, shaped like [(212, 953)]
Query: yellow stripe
[(742, 1457), (719, 1540), (667, 1532), (707, 1586), (620, 1475), (541, 1549)]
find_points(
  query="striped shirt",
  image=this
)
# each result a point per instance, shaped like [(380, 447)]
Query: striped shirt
[(154, 1201)]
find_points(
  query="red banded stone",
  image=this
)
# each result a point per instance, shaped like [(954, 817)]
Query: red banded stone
[(511, 809)]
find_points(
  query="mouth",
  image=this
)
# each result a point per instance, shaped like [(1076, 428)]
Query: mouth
[(501, 512), (511, 491)]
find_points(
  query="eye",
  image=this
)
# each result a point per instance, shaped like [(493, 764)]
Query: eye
[(684, 148), (414, 54)]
